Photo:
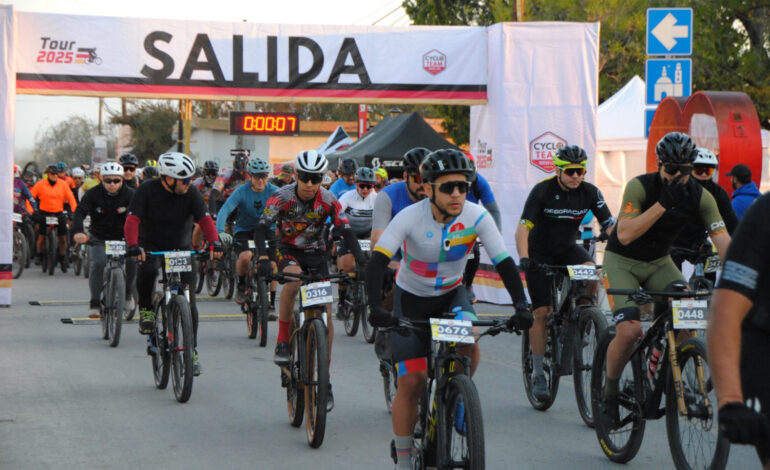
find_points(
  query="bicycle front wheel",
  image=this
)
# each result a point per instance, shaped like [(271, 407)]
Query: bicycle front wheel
[(19, 254), (295, 390), (591, 324), (201, 265), (369, 331), (316, 381), (51, 252), (461, 427), (353, 317), (264, 305), (694, 437), (115, 306), (213, 279), (158, 348), (181, 345), (549, 368)]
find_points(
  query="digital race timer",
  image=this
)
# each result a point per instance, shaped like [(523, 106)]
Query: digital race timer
[(254, 123)]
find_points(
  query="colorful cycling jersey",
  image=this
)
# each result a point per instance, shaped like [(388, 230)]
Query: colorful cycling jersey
[(481, 191), (227, 181), (20, 194), (52, 197), (358, 211), (300, 223), (390, 201), (204, 188), (250, 205), (553, 215), (435, 254)]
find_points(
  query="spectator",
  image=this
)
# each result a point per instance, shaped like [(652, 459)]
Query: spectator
[(745, 189)]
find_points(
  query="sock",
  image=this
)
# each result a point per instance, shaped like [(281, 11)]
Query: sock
[(242, 280), (272, 297), (537, 363), (404, 446), (283, 331), (611, 386)]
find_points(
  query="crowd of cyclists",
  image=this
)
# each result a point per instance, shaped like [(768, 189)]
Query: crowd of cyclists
[(427, 225)]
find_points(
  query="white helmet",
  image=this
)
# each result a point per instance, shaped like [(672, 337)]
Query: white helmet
[(176, 165), (111, 169), (311, 161), (705, 157), (78, 173)]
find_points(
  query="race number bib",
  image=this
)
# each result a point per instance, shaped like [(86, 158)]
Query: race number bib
[(689, 314), (17, 217), (448, 330), (51, 220), (583, 272), (365, 245), (114, 247), (712, 264), (317, 293), (178, 262)]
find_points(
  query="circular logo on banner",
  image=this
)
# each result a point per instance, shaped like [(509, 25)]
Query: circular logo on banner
[(542, 149)]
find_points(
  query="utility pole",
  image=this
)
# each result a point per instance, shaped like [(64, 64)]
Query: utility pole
[(518, 10), (101, 104)]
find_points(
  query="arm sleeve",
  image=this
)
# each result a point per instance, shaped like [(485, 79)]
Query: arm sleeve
[(81, 213), (383, 208), (710, 214), (485, 191), (494, 211), (511, 280), (633, 197), (206, 224), (131, 230), (375, 271), (601, 211), (726, 209), (26, 194), (267, 220), (226, 209)]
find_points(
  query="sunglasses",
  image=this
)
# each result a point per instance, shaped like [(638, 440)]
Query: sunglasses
[(365, 185), (312, 178), (259, 176), (415, 177), (129, 168), (112, 181), (703, 170), (574, 171), (211, 173), (449, 187), (673, 168)]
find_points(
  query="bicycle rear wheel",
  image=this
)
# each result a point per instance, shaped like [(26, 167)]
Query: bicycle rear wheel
[(316, 381), (591, 324), (51, 251), (369, 331), (77, 263), (86, 263), (115, 306), (622, 443), (201, 275), (213, 279), (19, 254), (461, 427), (159, 352), (549, 368), (264, 305), (181, 346), (351, 316), (694, 439), (295, 390), (389, 383)]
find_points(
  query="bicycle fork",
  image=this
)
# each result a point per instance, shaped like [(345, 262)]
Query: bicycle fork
[(676, 372)]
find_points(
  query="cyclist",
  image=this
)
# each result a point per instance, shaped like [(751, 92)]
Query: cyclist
[(655, 208), (160, 218), (129, 162), (52, 194), (437, 235), (299, 211), (739, 334), (107, 204), (205, 183), (21, 194), (228, 180), (249, 200), (358, 207), (62, 170), (286, 176), (93, 178), (546, 235), (78, 175), (382, 178), (347, 179), (149, 173)]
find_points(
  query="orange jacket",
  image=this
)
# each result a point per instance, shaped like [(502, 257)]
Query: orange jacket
[(52, 198)]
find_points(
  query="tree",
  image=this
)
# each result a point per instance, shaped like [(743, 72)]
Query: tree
[(152, 125), (70, 141)]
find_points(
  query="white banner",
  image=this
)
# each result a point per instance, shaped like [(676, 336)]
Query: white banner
[(104, 56), (7, 126), (542, 94)]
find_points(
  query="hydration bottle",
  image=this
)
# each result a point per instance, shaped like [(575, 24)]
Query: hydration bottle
[(652, 367)]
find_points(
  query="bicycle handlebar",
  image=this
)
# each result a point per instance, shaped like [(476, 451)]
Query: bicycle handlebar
[(495, 326), (647, 296), (283, 277)]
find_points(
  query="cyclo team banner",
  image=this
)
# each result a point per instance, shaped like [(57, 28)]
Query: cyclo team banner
[(106, 56)]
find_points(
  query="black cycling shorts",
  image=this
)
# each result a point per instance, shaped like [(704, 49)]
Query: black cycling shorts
[(539, 285), (40, 216), (410, 352), (755, 375), (241, 241), (314, 261)]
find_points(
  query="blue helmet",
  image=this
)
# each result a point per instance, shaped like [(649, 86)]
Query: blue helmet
[(257, 165)]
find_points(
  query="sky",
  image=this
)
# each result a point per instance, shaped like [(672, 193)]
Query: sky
[(36, 113)]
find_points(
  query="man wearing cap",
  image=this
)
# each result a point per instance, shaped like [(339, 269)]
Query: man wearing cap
[(745, 190), (286, 176)]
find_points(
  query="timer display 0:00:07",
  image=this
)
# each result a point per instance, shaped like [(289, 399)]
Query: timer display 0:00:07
[(242, 123)]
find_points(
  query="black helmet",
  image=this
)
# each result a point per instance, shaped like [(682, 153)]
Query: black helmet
[(676, 147), (447, 162), (240, 160), (210, 165), (569, 156), (149, 173), (413, 158), (128, 159), (52, 168), (365, 175), (348, 166)]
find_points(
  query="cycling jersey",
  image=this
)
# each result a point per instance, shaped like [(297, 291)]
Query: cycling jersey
[(359, 211), (227, 181), (205, 189), (301, 223), (435, 254), (20, 195), (390, 201), (553, 214), (249, 204), (53, 197), (340, 187), (108, 212)]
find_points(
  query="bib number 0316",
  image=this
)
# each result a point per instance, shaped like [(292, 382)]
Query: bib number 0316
[(317, 293), (451, 331)]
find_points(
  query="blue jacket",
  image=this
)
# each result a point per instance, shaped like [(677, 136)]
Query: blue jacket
[(743, 197), (340, 187), (250, 205)]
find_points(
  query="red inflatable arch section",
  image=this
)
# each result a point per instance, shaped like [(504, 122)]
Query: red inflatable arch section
[(740, 140)]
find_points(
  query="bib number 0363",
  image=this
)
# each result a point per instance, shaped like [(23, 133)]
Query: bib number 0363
[(178, 262), (451, 331), (690, 314), (317, 293)]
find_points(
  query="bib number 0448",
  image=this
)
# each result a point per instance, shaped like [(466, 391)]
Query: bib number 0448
[(451, 331), (690, 314)]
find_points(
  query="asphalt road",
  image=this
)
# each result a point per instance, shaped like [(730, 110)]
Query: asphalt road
[(68, 401)]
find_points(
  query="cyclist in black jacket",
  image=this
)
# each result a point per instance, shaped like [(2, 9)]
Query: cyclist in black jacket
[(107, 204)]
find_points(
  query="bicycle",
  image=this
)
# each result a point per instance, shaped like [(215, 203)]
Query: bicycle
[(306, 378), (572, 330), (704, 260), (354, 309), (220, 274), (28, 229), (450, 431), (20, 248), (257, 301), (171, 342), (659, 365), (77, 254), (113, 296), (50, 248)]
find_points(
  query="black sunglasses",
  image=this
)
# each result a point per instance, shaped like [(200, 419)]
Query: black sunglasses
[(112, 181), (312, 178), (415, 177), (673, 168), (129, 168), (259, 176), (449, 187), (574, 171), (211, 172), (365, 185)]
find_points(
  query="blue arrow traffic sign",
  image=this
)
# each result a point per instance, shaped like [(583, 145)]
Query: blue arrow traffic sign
[(667, 77), (669, 31), (648, 115)]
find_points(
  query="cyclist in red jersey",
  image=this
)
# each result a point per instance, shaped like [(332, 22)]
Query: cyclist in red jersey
[(228, 180)]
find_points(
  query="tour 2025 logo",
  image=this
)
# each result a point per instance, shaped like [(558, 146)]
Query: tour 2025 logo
[(62, 51), (542, 149)]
